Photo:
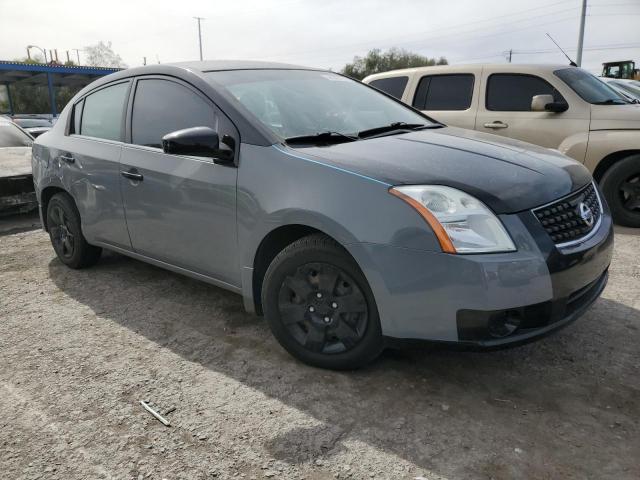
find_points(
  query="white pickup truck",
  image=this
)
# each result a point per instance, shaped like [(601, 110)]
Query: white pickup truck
[(554, 106)]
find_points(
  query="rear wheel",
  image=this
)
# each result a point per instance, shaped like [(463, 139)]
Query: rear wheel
[(621, 187), (319, 305), (63, 223)]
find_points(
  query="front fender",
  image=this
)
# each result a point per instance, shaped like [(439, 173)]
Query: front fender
[(277, 188), (575, 146), (603, 143)]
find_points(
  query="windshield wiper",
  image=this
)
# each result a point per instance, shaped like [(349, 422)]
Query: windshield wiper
[(395, 127), (328, 137)]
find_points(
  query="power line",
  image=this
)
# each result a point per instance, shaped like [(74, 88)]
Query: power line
[(615, 15), (613, 5), (615, 46), (397, 40), (463, 39)]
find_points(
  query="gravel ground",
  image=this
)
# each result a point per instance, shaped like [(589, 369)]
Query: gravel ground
[(80, 349)]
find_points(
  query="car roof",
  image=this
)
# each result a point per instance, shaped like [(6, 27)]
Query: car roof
[(218, 65), (194, 74)]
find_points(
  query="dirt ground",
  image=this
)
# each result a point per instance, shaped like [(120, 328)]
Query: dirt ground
[(80, 349)]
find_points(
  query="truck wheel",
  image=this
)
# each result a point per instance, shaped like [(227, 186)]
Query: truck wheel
[(63, 223), (319, 305), (621, 187)]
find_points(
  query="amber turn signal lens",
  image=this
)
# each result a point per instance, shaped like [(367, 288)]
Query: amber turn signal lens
[(438, 229)]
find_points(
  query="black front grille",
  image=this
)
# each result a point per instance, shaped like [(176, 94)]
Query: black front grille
[(571, 218)]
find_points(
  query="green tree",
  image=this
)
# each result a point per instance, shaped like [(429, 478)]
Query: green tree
[(377, 61), (102, 55)]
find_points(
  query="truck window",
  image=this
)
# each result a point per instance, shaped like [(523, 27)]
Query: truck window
[(444, 92), (394, 86), (590, 88), (512, 92)]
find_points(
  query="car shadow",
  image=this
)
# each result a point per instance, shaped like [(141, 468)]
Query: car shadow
[(563, 406)]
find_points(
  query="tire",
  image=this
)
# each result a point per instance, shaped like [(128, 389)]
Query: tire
[(63, 223), (621, 188), (319, 306)]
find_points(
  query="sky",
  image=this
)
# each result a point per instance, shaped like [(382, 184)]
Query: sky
[(327, 33)]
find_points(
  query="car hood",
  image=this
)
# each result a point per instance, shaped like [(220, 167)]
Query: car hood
[(15, 161), (507, 175), (615, 117)]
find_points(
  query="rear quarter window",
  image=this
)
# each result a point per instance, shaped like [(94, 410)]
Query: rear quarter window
[(394, 86)]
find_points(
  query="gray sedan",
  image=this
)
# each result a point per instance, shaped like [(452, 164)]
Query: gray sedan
[(348, 219)]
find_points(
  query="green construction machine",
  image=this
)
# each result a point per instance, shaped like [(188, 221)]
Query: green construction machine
[(622, 69)]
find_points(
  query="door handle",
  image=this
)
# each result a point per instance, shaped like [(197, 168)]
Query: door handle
[(496, 124), (132, 175), (67, 158)]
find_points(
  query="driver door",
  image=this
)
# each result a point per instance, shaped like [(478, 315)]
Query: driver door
[(180, 210), (507, 111)]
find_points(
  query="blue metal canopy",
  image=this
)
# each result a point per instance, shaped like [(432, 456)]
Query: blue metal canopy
[(52, 75)]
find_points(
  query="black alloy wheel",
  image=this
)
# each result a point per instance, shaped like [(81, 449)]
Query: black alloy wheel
[(629, 190), (320, 307), (63, 224), (621, 188), (323, 308), (60, 231)]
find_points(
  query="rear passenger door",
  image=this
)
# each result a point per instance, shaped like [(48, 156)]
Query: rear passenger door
[(448, 98), (89, 157), (506, 111), (182, 211)]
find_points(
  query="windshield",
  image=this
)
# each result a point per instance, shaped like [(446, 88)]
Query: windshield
[(629, 87), (32, 122), (12, 136), (295, 103), (589, 87)]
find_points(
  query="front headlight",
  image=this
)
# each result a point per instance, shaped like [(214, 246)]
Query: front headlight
[(462, 223)]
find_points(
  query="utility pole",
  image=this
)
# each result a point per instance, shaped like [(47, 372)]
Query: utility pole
[(77, 53), (510, 53), (200, 34), (581, 35)]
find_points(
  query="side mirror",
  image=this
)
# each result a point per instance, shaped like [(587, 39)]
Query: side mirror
[(545, 103), (200, 142)]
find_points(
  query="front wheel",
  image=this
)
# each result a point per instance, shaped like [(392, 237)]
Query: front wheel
[(621, 187), (319, 305)]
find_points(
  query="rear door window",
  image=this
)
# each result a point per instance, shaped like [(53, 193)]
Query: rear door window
[(102, 115), (161, 107), (444, 92), (507, 92), (394, 86)]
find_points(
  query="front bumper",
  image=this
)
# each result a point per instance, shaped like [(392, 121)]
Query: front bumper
[(491, 328), (457, 298)]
